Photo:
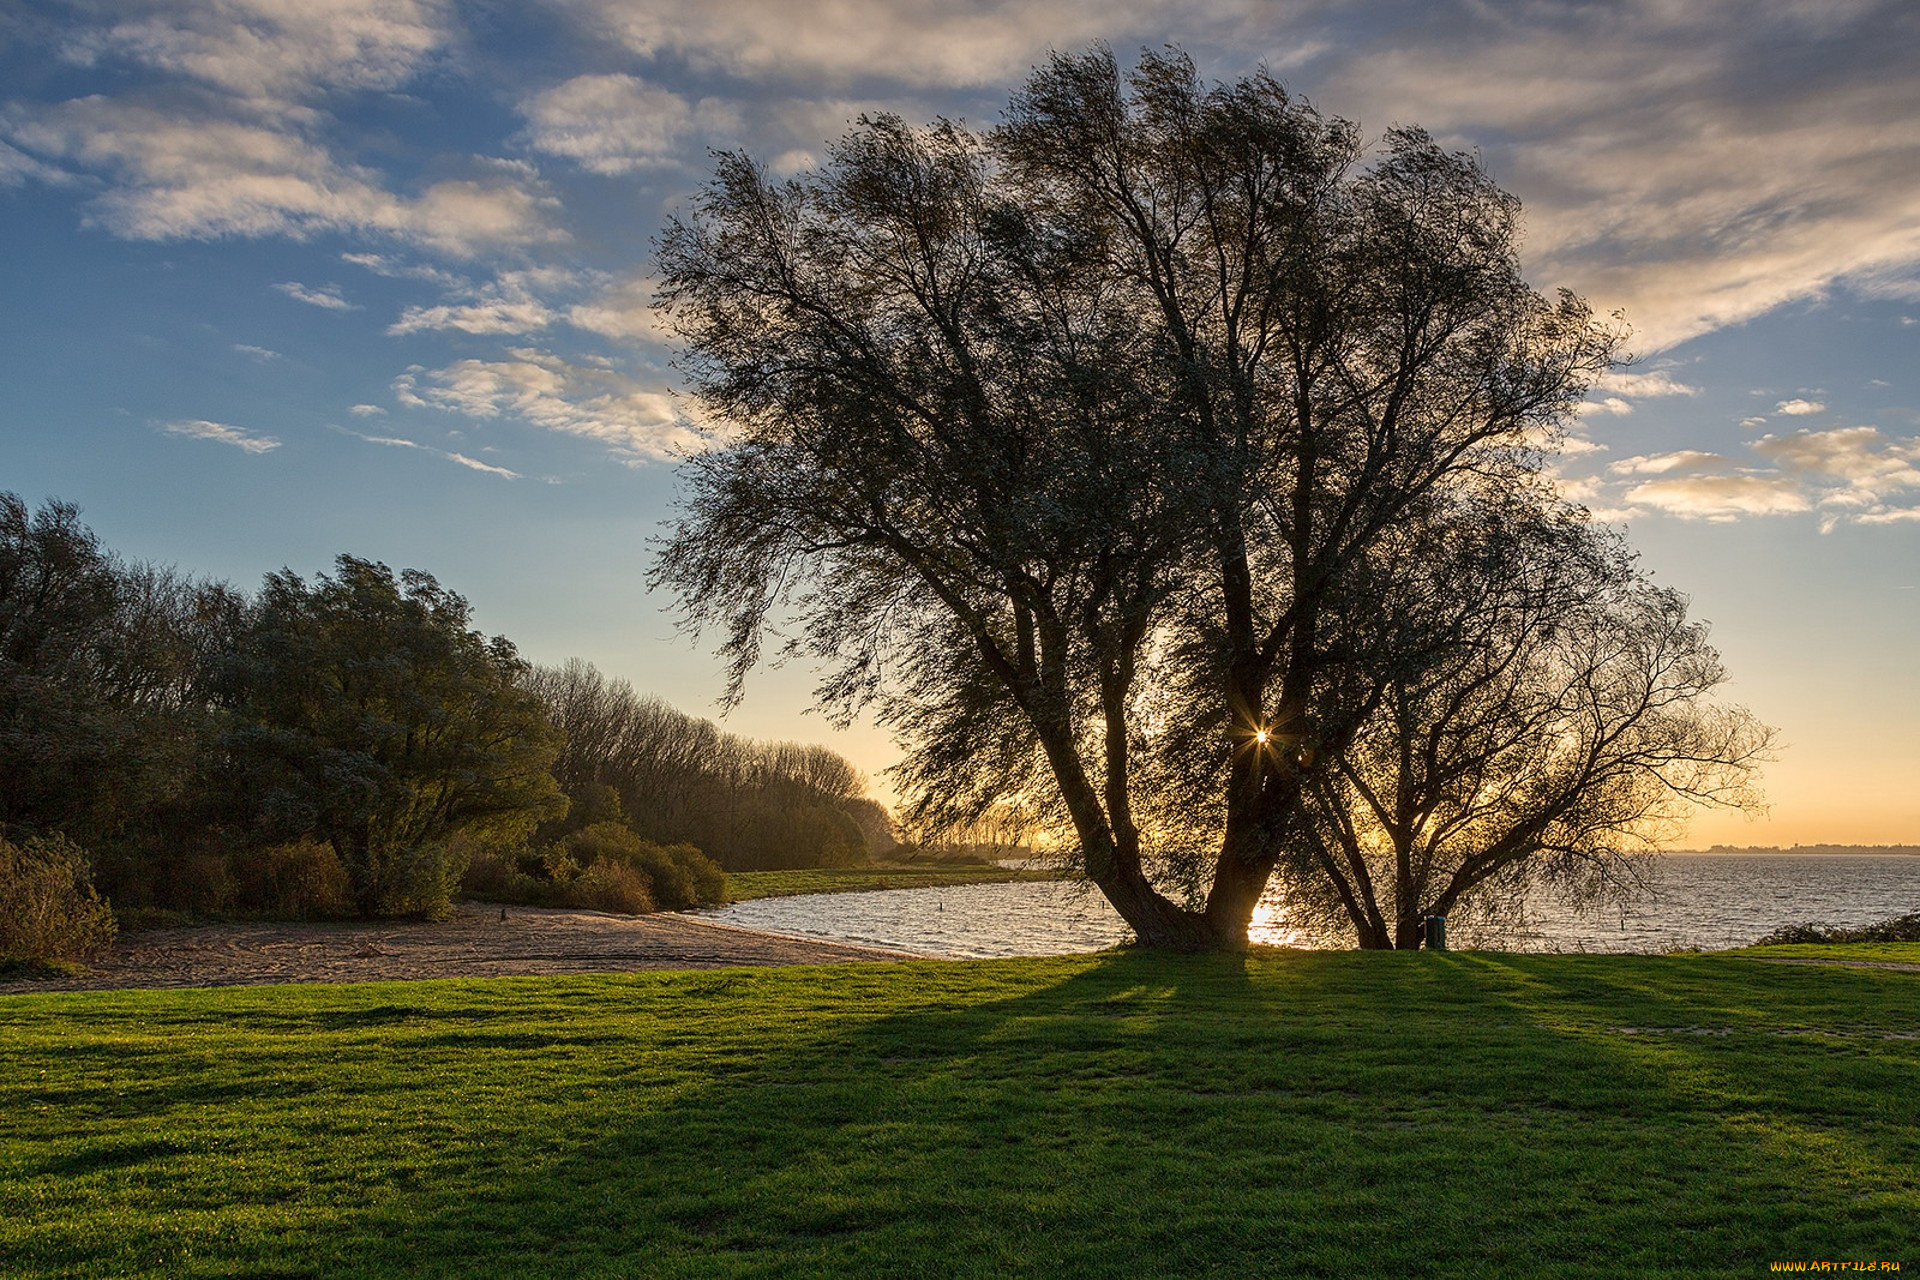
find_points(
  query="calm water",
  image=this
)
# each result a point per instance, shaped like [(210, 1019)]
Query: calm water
[(1703, 901)]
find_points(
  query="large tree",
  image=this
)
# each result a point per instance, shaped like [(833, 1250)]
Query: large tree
[(1079, 445), (368, 714)]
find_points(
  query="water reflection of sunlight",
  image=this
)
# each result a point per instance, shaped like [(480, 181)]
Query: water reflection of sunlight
[(1271, 926)]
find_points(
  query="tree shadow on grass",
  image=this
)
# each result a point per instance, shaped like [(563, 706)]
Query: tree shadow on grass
[(1144, 1115), (1118, 1115)]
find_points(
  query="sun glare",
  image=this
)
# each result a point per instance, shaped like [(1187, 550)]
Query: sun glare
[(1262, 737)]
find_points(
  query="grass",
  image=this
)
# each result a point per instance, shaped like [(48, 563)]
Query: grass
[(1877, 952), (1314, 1114), (744, 886)]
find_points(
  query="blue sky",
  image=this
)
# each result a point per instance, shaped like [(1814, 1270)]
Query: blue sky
[(286, 278)]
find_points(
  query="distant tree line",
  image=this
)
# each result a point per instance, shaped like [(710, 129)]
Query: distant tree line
[(672, 777), (349, 744)]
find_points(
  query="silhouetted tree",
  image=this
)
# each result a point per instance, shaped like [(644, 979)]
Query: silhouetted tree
[(1550, 722), (1128, 392)]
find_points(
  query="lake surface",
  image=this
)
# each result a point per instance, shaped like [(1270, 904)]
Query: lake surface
[(1702, 901)]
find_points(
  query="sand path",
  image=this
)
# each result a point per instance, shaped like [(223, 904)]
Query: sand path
[(476, 943)]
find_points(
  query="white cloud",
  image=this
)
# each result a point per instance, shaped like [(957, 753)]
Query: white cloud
[(507, 304), (1799, 408), (637, 422), (1697, 164), (393, 269), (1869, 469), (1657, 382), (367, 411), (622, 311), (238, 437), (1595, 408), (1720, 497), (1751, 423), (270, 53), (616, 124), (17, 167), (262, 354), (915, 42), (1850, 473), (460, 459), (185, 174), (327, 296), (1660, 464)]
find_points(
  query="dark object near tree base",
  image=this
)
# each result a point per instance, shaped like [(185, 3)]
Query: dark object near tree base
[(1434, 930)]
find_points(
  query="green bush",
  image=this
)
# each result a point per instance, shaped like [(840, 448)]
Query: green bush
[(417, 880), (1899, 929), (603, 867), (611, 886), (48, 908), (492, 876), (303, 880), (682, 876)]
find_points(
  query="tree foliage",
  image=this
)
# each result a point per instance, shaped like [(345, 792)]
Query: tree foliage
[(1559, 727), (1110, 453), (368, 713), (676, 778)]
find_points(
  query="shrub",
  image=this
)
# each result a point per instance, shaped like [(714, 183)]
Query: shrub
[(303, 880), (678, 875), (416, 880), (492, 876), (48, 908), (682, 876), (611, 886), (1899, 929)]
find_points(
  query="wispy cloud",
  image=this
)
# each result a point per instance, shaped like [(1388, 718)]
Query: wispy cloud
[(460, 459), (367, 411), (510, 303), (327, 296), (638, 423), (262, 354), (1654, 382), (1660, 464), (1610, 404), (1856, 474), (1697, 164), (239, 437), (269, 53), (193, 169)]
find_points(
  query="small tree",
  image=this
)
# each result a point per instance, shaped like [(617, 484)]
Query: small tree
[(367, 713), (1556, 724)]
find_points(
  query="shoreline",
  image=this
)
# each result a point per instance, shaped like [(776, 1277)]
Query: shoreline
[(475, 943)]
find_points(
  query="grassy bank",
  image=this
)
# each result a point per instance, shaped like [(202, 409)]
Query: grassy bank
[(743, 886), (1331, 1114)]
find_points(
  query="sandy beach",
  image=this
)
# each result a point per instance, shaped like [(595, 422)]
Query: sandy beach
[(475, 943)]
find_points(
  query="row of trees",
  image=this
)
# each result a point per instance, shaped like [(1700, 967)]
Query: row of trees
[(348, 743), (750, 805), (1163, 463)]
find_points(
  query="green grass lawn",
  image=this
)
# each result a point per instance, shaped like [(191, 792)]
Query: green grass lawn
[(1318, 1114), (743, 886), (1875, 952)]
